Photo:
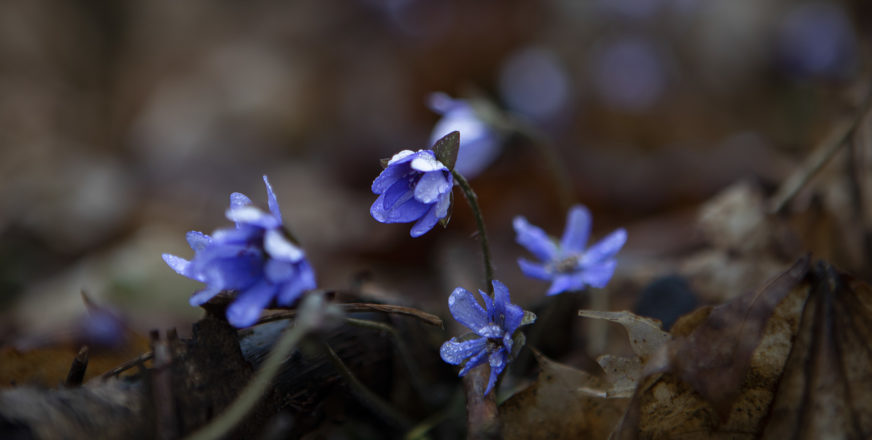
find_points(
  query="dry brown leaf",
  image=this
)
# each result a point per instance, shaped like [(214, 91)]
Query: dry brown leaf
[(645, 334), (808, 376), (556, 406), (715, 357), (623, 372)]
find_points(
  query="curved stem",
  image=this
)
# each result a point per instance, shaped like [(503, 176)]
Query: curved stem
[(481, 409), (472, 199)]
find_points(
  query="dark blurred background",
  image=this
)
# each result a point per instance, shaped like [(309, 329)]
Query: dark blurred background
[(125, 124)]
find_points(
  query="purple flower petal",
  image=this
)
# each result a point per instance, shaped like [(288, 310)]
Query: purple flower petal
[(388, 176), (444, 202), (501, 298), (239, 235), (180, 265), (405, 212), (198, 240), (253, 216), (247, 307), (403, 157), (278, 246), (279, 271), (399, 192), (599, 275), (455, 352), (425, 223), (203, 296), (426, 162), (291, 291), (473, 362), (231, 273), (605, 248), (534, 270), (271, 200), (497, 361), (490, 331), (431, 186), (567, 283), (238, 200), (577, 229), (466, 309), (534, 239)]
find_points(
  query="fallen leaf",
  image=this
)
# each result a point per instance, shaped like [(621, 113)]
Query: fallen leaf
[(791, 361), (645, 334), (557, 406)]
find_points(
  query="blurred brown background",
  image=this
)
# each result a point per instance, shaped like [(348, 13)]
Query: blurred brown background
[(125, 124)]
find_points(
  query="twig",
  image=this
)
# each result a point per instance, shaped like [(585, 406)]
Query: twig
[(77, 369), (838, 137), (364, 395), (363, 307), (127, 365)]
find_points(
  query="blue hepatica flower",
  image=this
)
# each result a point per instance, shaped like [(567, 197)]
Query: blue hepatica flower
[(256, 259), (493, 327), (480, 143), (414, 187), (567, 263)]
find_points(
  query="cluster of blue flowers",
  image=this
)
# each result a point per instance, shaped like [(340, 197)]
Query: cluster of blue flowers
[(256, 259), (260, 262)]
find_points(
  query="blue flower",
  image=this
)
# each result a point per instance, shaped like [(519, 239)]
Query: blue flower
[(414, 187), (480, 143), (256, 259), (492, 340), (567, 263)]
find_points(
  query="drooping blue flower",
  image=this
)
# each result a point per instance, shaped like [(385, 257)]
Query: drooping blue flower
[(256, 259), (567, 263), (414, 187), (493, 328), (480, 143)]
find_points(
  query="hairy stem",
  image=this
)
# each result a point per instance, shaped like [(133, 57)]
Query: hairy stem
[(472, 199), (481, 409)]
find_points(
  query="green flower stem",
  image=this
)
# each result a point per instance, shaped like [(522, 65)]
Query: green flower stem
[(364, 395), (472, 199), (223, 423)]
